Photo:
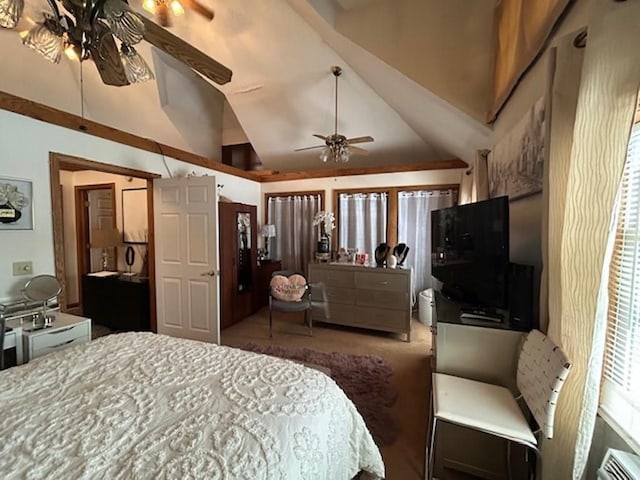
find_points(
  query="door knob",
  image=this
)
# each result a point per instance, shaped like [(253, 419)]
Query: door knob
[(210, 273)]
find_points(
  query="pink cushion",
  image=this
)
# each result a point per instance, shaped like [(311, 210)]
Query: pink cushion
[(288, 289)]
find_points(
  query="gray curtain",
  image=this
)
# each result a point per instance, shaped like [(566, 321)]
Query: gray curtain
[(414, 229), (363, 221), (296, 237)]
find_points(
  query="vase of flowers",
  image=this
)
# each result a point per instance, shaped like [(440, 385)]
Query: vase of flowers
[(326, 223)]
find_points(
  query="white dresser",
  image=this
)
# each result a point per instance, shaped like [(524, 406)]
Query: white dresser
[(67, 330), (359, 296)]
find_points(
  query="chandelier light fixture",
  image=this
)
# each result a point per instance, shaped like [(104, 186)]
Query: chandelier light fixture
[(337, 148), (82, 30)]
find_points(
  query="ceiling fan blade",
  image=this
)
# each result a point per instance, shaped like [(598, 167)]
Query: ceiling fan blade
[(199, 8), (185, 53), (358, 150), (308, 148), (321, 137), (359, 140), (107, 58)]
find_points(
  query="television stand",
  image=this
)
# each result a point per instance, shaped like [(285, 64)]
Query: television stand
[(483, 317)]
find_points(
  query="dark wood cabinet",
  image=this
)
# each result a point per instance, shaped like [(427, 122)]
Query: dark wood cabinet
[(265, 270), (238, 261), (118, 302)]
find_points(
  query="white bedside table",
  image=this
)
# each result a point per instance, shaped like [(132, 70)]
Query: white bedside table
[(67, 330)]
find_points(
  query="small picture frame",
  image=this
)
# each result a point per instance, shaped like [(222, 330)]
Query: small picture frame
[(16, 204)]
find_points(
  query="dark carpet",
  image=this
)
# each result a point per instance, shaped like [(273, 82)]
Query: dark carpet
[(365, 379)]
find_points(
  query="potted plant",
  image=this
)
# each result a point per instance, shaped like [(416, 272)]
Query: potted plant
[(327, 222)]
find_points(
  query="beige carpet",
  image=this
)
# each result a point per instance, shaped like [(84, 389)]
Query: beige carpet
[(404, 460)]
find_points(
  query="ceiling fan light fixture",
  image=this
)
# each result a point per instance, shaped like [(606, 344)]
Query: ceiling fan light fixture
[(123, 22), (135, 68), (71, 52), (10, 12), (325, 154), (176, 8), (45, 40), (150, 5)]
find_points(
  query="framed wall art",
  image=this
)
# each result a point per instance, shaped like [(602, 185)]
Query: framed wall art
[(16, 204), (134, 215), (516, 163)]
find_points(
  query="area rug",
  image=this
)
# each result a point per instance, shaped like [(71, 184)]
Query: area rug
[(365, 379)]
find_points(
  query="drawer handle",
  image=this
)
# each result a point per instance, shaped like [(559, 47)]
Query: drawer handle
[(63, 330), (64, 343)]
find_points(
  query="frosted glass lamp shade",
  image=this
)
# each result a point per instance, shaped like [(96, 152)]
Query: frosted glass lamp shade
[(44, 41), (135, 68), (10, 12), (268, 231), (124, 23)]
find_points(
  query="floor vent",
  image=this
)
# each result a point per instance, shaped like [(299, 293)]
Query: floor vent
[(619, 465)]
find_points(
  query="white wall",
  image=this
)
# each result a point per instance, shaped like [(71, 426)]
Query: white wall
[(526, 214), (24, 153)]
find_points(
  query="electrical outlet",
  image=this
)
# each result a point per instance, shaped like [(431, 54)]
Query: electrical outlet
[(22, 268)]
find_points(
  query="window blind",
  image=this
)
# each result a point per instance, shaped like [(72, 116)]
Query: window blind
[(620, 397)]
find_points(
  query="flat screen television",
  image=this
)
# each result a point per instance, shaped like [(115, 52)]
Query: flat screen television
[(470, 252)]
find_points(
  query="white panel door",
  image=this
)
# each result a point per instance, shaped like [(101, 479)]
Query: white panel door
[(186, 219), (101, 216)]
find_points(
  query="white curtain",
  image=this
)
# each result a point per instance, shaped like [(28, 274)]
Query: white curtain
[(296, 237), (363, 221), (414, 229)]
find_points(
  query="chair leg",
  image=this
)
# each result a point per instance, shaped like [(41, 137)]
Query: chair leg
[(270, 324), (432, 450), (431, 446), (307, 314)]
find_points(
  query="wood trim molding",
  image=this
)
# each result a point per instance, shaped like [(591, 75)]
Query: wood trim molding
[(38, 111), (59, 161), (343, 172)]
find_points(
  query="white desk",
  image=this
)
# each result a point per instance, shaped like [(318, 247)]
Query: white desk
[(65, 331)]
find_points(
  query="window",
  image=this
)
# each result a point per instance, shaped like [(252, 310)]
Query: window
[(362, 220), (620, 397), (296, 237)]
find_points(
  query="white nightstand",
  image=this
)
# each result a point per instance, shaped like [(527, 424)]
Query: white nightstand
[(66, 331)]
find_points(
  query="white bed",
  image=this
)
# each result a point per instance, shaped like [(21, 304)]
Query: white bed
[(145, 406)]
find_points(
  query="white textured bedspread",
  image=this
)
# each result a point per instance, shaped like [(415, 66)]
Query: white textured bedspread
[(146, 406)]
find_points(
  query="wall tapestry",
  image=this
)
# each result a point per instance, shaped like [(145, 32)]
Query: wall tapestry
[(16, 206), (516, 163)]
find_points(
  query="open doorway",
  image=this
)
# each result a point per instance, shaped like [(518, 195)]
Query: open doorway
[(75, 237)]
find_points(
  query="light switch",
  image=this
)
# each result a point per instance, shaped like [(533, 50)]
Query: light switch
[(22, 268)]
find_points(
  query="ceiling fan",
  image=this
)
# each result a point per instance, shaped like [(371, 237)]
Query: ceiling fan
[(338, 147), (162, 8), (88, 30)]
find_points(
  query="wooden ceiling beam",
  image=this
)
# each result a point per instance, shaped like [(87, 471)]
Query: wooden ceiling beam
[(343, 172), (185, 53)]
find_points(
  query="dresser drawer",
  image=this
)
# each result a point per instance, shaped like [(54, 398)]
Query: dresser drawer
[(382, 281), (59, 337), (332, 277), (383, 319), (382, 298), (333, 313), (39, 352), (339, 295)]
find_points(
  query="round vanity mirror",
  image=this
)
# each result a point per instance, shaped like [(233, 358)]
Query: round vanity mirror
[(42, 288)]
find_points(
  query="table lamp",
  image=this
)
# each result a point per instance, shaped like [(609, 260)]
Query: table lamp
[(105, 238), (268, 231)]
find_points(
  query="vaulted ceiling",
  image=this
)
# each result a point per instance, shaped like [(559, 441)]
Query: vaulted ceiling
[(416, 78)]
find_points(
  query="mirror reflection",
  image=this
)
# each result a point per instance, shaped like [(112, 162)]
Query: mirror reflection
[(244, 250)]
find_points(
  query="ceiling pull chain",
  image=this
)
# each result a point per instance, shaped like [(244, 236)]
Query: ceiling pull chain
[(82, 127)]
